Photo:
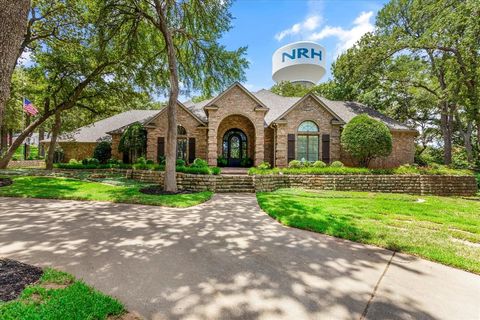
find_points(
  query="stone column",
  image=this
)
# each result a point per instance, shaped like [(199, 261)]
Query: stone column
[(281, 157), (212, 152)]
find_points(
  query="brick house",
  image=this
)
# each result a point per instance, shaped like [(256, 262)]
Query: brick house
[(263, 126)]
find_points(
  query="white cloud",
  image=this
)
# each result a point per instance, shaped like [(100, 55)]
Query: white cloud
[(347, 37), (309, 24)]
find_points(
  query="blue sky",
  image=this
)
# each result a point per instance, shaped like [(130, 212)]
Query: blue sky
[(265, 25)]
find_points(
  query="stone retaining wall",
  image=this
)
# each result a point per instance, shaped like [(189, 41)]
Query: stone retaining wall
[(413, 184), (26, 164)]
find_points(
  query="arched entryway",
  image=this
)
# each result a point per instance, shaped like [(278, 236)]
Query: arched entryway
[(235, 146), (236, 140)]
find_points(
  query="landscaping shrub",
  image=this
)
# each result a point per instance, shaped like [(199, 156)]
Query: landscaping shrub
[(337, 164), (199, 163), (216, 170), (342, 170), (222, 161), (319, 164), (103, 151), (365, 138), (73, 161), (150, 162), (141, 160), (263, 166), (295, 164), (193, 170), (114, 161), (90, 161)]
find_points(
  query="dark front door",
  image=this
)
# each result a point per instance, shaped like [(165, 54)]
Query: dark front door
[(234, 147)]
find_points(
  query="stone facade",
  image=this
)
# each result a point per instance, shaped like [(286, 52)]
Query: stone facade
[(158, 128), (237, 108), (75, 150), (307, 110)]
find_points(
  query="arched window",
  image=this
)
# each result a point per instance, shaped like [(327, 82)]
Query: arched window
[(181, 131), (308, 126), (181, 143), (308, 141)]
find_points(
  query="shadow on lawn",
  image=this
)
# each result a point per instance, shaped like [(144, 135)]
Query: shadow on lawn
[(222, 259)]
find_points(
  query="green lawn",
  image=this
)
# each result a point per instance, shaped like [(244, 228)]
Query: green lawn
[(57, 295), (446, 230), (64, 188)]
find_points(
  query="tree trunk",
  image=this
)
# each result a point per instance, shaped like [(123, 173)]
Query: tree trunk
[(171, 147), (53, 140), (467, 138), (41, 136), (10, 137), (23, 135), (13, 24), (3, 139), (446, 126)]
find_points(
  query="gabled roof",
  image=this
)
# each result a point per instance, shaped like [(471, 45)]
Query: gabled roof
[(278, 106), (188, 110), (98, 131), (238, 85), (314, 97)]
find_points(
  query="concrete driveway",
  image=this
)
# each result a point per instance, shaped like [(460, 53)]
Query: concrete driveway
[(226, 259)]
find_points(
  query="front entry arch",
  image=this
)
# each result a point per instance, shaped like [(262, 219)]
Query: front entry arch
[(235, 146)]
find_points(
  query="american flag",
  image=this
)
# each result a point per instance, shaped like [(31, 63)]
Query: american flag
[(29, 108)]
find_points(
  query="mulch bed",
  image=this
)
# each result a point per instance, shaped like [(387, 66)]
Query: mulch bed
[(5, 182), (157, 190), (15, 276)]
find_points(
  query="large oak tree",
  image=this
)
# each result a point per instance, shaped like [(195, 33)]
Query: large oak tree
[(179, 43)]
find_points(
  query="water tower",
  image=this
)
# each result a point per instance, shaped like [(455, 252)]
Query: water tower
[(299, 62)]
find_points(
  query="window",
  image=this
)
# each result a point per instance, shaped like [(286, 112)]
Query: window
[(308, 141), (181, 131), (182, 143), (308, 126), (182, 148)]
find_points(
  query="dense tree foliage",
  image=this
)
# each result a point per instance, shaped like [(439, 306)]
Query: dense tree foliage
[(419, 66), (365, 139)]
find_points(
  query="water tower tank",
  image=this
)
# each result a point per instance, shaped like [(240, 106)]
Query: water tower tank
[(302, 61)]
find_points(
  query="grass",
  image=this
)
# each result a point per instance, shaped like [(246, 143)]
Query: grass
[(67, 299), (73, 189), (442, 229)]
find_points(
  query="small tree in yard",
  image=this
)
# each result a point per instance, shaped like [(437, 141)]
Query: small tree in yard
[(133, 141), (103, 151), (365, 138)]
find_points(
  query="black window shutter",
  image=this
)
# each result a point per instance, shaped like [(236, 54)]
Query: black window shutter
[(326, 148), (291, 147), (191, 150), (160, 148)]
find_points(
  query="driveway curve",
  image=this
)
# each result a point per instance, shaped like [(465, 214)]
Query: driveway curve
[(226, 259)]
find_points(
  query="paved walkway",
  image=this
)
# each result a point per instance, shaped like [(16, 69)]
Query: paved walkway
[(226, 259)]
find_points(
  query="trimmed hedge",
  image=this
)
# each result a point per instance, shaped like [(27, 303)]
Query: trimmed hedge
[(406, 169)]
